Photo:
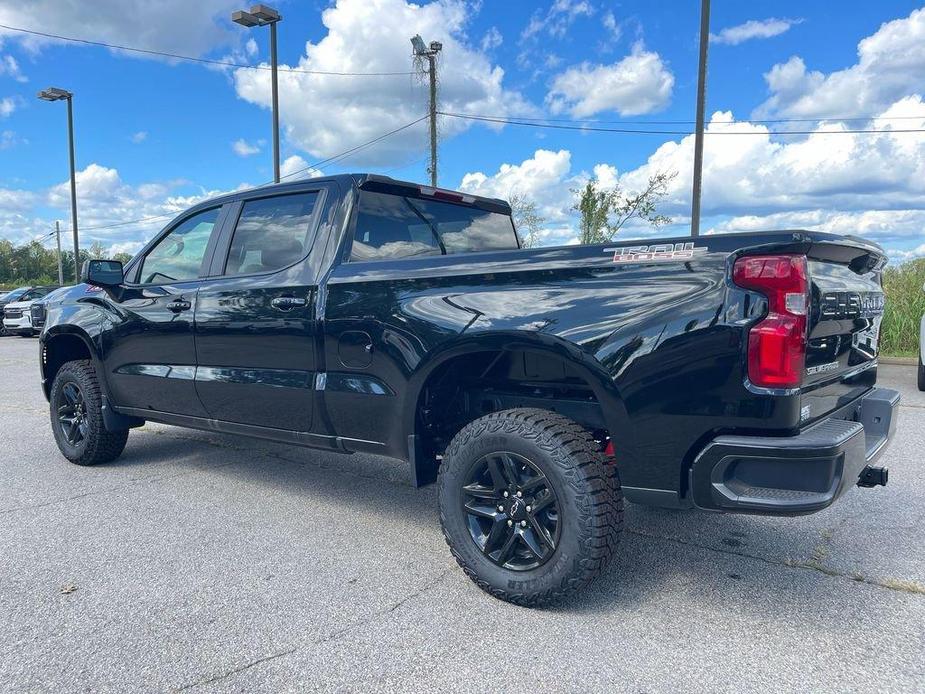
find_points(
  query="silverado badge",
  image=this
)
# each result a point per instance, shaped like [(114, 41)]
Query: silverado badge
[(657, 251)]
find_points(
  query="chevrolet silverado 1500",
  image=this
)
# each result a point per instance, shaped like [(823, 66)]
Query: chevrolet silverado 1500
[(538, 387)]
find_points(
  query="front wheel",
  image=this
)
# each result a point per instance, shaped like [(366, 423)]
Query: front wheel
[(77, 417), (529, 506)]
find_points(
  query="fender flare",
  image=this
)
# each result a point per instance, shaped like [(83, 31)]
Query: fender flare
[(587, 366)]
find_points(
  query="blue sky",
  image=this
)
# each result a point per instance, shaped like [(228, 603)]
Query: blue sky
[(154, 135)]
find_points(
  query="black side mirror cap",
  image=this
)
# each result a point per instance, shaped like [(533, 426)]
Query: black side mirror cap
[(102, 273)]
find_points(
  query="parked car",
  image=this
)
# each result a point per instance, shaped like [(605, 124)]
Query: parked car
[(17, 319), (539, 388), (38, 309), (5, 299)]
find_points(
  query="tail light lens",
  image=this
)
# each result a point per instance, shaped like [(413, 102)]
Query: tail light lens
[(776, 345)]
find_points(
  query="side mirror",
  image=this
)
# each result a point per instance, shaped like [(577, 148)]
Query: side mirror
[(102, 273)]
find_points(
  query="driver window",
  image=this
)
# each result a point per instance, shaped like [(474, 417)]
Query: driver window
[(178, 256)]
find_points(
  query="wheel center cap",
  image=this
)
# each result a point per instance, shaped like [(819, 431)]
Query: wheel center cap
[(517, 509)]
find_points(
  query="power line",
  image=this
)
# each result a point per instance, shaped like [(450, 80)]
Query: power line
[(190, 58), (690, 122), (332, 159), (584, 128)]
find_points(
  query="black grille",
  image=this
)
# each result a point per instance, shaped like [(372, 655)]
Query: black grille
[(37, 312), (12, 313)]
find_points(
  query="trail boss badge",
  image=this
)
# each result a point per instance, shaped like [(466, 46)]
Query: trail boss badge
[(658, 251)]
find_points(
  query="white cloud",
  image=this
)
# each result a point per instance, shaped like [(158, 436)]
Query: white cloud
[(295, 168), (10, 68), (491, 40), (755, 173), (250, 47), (243, 148), (613, 26), (7, 106), (872, 185), (325, 114), (9, 138), (103, 198), (139, 137), (557, 19), (891, 65), (639, 83), (753, 29), (177, 26)]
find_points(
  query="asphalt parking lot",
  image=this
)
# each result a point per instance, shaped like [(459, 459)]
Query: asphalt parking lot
[(214, 563)]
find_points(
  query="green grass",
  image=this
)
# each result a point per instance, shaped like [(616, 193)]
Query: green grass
[(905, 304)]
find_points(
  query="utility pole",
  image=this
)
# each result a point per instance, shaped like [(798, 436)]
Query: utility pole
[(60, 265), (422, 51), (701, 107)]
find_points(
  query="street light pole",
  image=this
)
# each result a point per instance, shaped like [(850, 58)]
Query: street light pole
[(70, 137), (261, 15), (701, 106), (56, 94), (275, 90)]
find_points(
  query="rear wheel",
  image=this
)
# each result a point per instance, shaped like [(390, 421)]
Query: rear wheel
[(529, 507), (77, 417), (921, 374)]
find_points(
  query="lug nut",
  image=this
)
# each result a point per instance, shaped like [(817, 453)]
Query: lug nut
[(523, 524), (529, 508), (506, 495), (510, 523), (519, 494), (501, 508)]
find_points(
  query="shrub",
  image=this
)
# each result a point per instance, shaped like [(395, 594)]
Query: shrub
[(905, 304)]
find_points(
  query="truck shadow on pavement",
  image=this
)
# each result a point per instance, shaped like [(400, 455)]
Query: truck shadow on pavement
[(740, 561)]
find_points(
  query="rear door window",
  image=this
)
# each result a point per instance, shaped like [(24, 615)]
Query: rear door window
[(271, 233), (395, 226)]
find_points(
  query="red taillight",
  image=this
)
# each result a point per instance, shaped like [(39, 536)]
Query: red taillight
[(777, 344)]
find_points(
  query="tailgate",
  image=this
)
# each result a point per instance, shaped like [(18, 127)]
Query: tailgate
[(846, 308)]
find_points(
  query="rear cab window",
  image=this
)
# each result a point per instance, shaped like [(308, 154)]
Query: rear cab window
[(390, 226)]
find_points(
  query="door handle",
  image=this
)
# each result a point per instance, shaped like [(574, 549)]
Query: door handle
[(286, 303), (179, 305)]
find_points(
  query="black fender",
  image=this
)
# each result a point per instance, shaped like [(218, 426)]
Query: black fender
[(584, 363), (112, 420)]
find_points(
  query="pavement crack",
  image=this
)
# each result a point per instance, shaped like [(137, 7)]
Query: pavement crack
[(109, 490), (328, 638), (234, 671), (898, 585), (334, 636)]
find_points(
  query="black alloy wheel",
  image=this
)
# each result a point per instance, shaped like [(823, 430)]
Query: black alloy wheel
[(77, 416), (72, 414), (512, 511), (530, 507)]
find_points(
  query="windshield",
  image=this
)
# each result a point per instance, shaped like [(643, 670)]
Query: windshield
[(14, 295)]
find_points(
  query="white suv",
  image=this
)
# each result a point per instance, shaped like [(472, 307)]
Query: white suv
[(17, 318)]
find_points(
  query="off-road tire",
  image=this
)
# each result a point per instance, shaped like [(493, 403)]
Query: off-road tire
[(98, 445), (589, 497)]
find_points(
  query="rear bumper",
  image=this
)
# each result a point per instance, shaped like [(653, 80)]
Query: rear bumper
[(795, 475)]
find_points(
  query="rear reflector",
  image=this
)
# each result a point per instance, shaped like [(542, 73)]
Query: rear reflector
[(777, 344)]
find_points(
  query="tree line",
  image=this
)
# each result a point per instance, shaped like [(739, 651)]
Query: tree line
[(33, 263)]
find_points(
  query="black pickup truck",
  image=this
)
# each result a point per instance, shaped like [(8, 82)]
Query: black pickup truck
[(537, 387)]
